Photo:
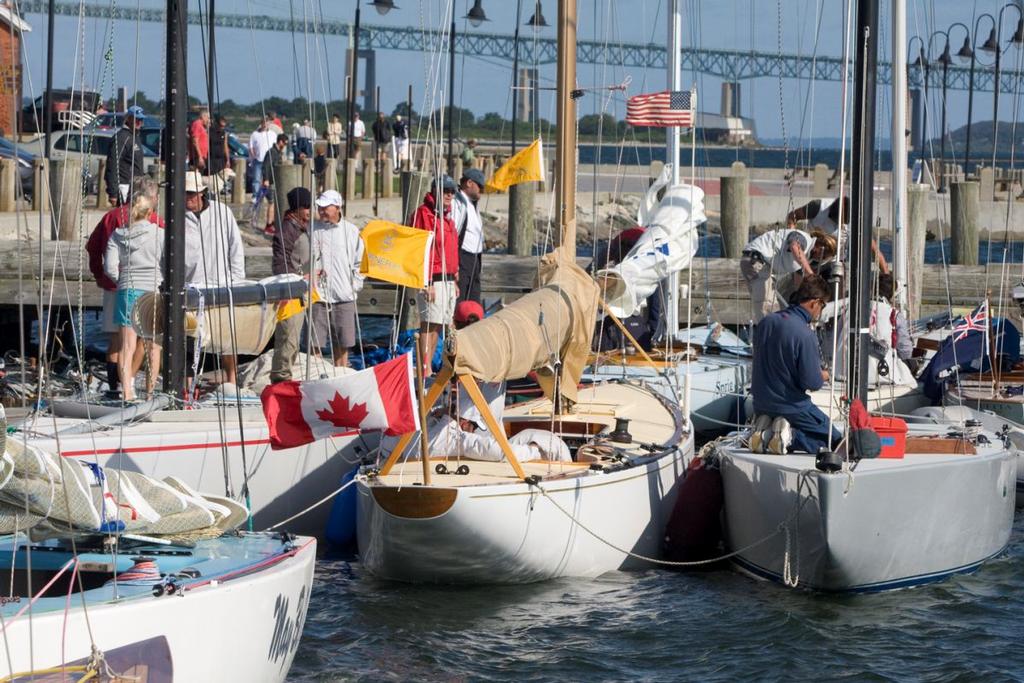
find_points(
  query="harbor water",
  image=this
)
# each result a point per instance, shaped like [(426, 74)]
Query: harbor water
[(657, 625)]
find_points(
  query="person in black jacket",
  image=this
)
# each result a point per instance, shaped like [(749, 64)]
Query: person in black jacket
[(124, 159)]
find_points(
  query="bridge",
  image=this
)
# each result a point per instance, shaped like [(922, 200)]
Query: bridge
[(730, 65)]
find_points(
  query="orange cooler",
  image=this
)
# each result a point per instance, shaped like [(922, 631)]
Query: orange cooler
[(892, 432)]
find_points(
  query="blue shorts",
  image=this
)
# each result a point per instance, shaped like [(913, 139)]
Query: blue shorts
[(126, 299)]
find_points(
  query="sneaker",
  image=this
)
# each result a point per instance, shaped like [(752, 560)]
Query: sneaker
[(757, 433), (782, 437)]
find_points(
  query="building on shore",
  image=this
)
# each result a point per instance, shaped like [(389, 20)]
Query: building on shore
[(726, 130), (11, 28)]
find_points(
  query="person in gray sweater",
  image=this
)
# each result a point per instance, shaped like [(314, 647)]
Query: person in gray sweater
[(134, 259)]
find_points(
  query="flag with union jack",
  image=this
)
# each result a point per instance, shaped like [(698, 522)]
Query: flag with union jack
[(977, 321), (662, 109)]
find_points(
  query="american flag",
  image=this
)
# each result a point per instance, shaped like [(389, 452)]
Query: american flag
[(663, 109), (975, 322)]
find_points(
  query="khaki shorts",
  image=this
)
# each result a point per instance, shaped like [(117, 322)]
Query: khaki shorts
[(109, 307), (338, 327), (441, 310)]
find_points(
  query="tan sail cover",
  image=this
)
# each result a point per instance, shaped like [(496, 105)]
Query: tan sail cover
[(254, 325), (553, 322)]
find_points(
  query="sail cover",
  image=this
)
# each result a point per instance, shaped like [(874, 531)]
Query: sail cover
[(667, 245), (554, 322)]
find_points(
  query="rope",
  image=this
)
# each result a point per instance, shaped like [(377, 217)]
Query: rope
[(313, 506)]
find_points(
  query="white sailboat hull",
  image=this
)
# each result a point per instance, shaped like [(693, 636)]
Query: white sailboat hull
[(511, 533), (894, 523), (246, 628), (281, 483)]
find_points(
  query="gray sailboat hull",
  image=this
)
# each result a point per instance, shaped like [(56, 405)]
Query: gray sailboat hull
[(894, 523)]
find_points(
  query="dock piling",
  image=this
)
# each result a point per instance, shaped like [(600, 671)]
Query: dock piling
[(520, 218), (917, 222), (964, 209), (66, 186), (735, 211)]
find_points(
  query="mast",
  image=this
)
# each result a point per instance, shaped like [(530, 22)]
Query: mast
[(175, 108), (898, 135), (862, 185), (565, 146), (211, 56), (674, 83)]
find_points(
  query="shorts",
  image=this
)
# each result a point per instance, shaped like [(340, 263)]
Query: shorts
[(108, 320), (126, 299), (441, 310), (339, 327)]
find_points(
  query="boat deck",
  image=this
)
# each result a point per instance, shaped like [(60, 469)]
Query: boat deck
[(481, 472)]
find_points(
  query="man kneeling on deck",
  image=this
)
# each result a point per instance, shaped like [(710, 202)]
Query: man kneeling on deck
[(787, 364)]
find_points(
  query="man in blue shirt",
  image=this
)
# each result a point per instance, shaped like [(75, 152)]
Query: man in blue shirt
[(787, 364)]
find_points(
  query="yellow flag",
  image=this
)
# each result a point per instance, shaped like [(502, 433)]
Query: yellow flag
[(525, 166), (396, 253), (290, 307)]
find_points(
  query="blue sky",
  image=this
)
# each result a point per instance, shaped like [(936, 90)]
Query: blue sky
[(258, 64)]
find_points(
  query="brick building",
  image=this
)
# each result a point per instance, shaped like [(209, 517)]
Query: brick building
[(11, 28)]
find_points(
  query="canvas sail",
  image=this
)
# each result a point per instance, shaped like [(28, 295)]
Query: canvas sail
[(667, 245), (554, 322)]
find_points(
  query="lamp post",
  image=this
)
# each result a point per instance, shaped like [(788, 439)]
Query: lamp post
[(945, 59), (969, 51), (993, 45), (382, 7), (476, 17), (536, 21), (921, 62)]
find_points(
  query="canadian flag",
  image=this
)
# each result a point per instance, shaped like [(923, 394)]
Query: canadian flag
[(380, 398)]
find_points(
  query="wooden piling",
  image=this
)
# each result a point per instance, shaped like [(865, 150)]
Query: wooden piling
[(369, 177), (9, 180), (40, 185), (987, 183), (286, 178), (964, 208), (238, 184), (735, 212), (102, 198), (520, 218), (821, 176), (66, 187), (388, 181), (350, 178), (331, 174), (917, 223)]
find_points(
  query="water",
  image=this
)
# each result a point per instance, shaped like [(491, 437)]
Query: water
[(657, 625)]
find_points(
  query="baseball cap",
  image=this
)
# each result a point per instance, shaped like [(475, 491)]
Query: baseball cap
[(135, 111), (476, 175), (329, 198), (447, 184), (299, 198), (468, 309)]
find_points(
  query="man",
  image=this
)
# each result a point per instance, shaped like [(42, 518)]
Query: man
[(401, 140), (199, 142), (337, 252), (901, 339), (274, 123), (468, 155), (213, 247), (220, 153), (436, 303), (125, 161), (334, 131), (355, 139), (96, 247), (260, 142), (381, 136), (787, 364), (275, 156), (775, 254), (821, 214), (290, 256), (470, 227), (304, 136)]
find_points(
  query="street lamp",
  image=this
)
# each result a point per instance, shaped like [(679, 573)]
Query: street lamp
[(945, 59), (992, 45), (969, 51), (382, 7), (536, 21), (921, 63), (476, 17)]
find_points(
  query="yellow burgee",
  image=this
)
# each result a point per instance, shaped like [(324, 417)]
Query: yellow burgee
[(527, 165), (396, 253), (290, 307)]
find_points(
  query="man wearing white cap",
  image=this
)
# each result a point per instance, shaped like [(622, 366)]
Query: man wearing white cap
[(213, 246), (337, 252)]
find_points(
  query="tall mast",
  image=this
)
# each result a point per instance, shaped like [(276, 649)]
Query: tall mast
[(565, 148), (862, 181), (898, 137), (674, 83), (175, 108)]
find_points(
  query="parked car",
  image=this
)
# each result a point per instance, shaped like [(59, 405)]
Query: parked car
[(71, 109), (26, 162), (92, 145), (115, 119)]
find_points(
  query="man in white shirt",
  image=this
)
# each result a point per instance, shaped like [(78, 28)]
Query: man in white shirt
[(260, 142), (470, 227), (337, 252), (355, 139), (776, 253)]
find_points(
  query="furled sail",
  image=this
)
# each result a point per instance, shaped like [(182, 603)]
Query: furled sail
[(667, 245), (551, 324)]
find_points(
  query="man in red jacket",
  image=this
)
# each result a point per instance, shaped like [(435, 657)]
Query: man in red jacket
[(436, 303), (96, 247)]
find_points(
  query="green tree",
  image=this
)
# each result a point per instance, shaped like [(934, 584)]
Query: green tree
[(592, 124)]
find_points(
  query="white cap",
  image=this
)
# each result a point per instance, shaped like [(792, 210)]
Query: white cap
[(195, 182), (329, 198)]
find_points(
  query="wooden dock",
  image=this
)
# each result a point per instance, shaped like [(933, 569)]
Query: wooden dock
[(717, 285)]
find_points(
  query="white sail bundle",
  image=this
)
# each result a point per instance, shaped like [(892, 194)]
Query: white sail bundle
[(667, 246)]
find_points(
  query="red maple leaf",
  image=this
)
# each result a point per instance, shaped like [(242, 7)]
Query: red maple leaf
[(340, 414)]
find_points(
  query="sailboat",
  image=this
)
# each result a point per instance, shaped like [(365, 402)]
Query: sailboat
[(109, 572), (941, 504), (441, 518)]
